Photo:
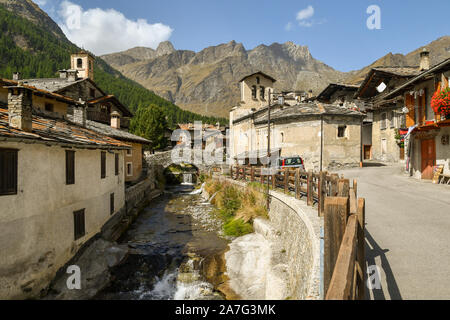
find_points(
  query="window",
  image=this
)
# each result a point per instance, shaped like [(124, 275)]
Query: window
[(254, 92), (70, 167), (116, 164), (391, 119), (111, 203), (103, 164), (90, 65), (79, 63), (8, 172), (129, 169), (79, 224), (92, 92), (262, 93), (130, 151), (257, 80), (342, 131), (383, 121), (49, 107)]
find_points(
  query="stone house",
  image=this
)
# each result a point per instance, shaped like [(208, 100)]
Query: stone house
[(338, 93), (78, 83), (59, 184), (427, 143), (326, 136), (387, 115)]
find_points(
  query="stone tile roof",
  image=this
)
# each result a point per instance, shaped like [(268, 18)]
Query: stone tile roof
[(58, 131), (51, 84), (333, 87), (303, 110), (400, 71), (115, 133), (36, 90)]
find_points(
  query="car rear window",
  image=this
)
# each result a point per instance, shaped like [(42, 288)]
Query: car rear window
[(293, 161)]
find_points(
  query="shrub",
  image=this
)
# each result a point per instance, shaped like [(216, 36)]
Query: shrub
[(237, 228)]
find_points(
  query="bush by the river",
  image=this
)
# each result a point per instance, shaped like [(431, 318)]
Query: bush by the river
[(237, 207)]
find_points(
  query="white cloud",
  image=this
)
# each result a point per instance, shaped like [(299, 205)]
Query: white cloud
[(106, 31), (304, 16)]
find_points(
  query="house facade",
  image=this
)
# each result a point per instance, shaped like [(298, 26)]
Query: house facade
[(326, 136), (427, 141), (60, 183)]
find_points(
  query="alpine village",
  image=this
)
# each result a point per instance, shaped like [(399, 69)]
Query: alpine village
[(316, 187)]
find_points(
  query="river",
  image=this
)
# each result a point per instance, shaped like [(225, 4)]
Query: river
[(169, 242)]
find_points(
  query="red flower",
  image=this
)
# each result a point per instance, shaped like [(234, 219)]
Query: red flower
[(440, 103)]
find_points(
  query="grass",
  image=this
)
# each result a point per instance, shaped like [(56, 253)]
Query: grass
[(237, 207)]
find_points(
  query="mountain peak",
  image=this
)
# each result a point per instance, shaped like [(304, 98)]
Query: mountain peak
[(165, 47)]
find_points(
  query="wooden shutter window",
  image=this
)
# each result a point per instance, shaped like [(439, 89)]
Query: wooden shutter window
[(103, 165), (79, 224), (116, 164), (8, 171), (111, 203), (410, 116), (70, 167)]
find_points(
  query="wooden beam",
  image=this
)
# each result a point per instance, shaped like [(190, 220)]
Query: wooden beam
[(335, 221), (361, 255), (342, 280)]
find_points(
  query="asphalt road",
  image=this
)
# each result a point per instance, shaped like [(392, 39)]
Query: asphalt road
[(407, 233)]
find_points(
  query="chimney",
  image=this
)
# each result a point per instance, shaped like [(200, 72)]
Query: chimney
[(20, 107), (63, 74), (79, 113), (424, 59), (17, 76), (310, 94), (115, 120), (72, 75)]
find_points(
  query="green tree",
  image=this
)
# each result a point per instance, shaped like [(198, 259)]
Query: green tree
[(150, 123)]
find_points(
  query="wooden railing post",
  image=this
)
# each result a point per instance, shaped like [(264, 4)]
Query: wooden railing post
[(252, 173), (274, 181), (343, 188), (355, 187), (335, 221), (321, 193), (309, 189), (360, 253), (334, 185), (297, 183), (286, 180)]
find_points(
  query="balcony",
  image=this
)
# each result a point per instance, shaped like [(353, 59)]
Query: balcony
[(98, 116)]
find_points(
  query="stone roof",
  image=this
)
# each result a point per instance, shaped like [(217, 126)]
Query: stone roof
[(400, 71), (58, 131), (115, 133), (259, 72), (302, 110), (333, 87), (51, 84)]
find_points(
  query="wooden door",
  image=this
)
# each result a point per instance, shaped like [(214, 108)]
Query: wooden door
[(367, 152), (410, 116), (428, 148)]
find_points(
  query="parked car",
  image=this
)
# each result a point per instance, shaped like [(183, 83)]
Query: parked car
[(291, 162)]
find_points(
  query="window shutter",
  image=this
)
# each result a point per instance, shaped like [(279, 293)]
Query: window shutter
[(79, 224), (103, 165), (8, 172), (116, 164), (410, 116), (70, 167)]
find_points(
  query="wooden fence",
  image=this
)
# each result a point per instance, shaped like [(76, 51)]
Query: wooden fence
[(343, 213)]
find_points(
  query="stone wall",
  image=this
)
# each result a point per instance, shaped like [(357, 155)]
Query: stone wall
[(281, 260)]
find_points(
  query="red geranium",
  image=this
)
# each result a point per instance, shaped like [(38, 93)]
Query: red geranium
[(441, 101)]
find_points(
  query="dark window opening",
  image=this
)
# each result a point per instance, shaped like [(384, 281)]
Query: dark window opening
[(262, 93), (70, 167), (49, 107), (116, 164), (257, 80), (341, 131), (79, 63), (92, 92), (111, 203), (383, 121), (254, 92), (103, 165), (79, 224), (8, 172), (129, 169)]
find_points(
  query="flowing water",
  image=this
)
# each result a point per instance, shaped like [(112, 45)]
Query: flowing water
[(169, 242)]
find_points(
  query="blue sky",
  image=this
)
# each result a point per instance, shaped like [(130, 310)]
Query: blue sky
[(335, 31)]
